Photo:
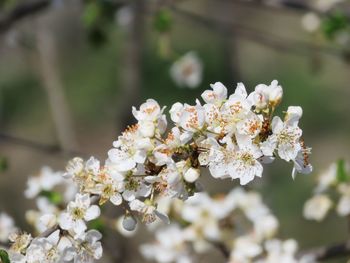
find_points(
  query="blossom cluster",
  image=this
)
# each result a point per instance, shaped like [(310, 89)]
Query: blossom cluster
[(239, 222), (231, 135), (332, 191)]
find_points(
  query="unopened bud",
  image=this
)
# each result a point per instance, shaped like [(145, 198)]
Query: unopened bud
[(191, 175), (129, 223)]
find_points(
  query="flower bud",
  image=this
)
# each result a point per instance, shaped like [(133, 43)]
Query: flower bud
[(293, 115), (129, 223), (275, 93), (191, 175)]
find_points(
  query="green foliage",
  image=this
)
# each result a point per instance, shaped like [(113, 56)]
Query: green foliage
[(342, 175), (162, 21), (7, 4), (334, 23), (3, 164), (97, 16), (97, 224), (4, 257), (91, 14), (54, 197)]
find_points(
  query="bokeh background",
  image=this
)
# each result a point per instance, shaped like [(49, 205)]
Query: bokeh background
[(71, 70)]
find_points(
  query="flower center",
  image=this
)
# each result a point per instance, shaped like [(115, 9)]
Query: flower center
[(78, 213)]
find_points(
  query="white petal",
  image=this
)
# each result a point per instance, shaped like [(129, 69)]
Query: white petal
[(65, 221), (116, 199), (92, 212)]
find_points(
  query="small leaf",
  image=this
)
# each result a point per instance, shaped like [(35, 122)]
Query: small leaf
[(334, 23), (162, 21), (3, 164), (4, 257), (92, 12), (97, 224), (342, 175), (54, 197)]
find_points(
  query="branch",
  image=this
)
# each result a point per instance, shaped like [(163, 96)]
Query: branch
[(21, 11), (47, 148), (327, 252), (267, 39), (287, 6), (222, 248)]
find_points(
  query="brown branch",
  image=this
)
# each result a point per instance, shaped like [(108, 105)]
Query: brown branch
[(47, 65), (21, 11), (264, 38), (327, 252), (47, 148), (221, 247), (288, 7)]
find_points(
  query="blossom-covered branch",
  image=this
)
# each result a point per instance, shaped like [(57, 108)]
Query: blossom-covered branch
[(233, 136)]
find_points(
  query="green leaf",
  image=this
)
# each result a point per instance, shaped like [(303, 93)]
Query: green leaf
[(162, 21), (4, 257), (3, 164), (92, 12), (334, 23), (342, 175), (54, 197), (97, 224)]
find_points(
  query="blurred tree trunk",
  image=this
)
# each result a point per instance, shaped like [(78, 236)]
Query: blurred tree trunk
[(131, 73), (230, 50), (51, 82)]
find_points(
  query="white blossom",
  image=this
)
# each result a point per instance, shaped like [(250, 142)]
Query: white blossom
[(317, 207), (187, 71), (7, 226), (77, 213)]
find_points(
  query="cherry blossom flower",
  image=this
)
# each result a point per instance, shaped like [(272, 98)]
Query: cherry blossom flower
[(285, 139), (167, 250), (45, 181), (7, 226), (317, 207), (187, 71), (148, 211), (86, 248), (78, 211), (216, 96)]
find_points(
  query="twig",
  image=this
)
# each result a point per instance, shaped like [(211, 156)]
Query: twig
[(326, 252), (298, 47), (21, 11), (290, 7), (221, 247), (47, 148)]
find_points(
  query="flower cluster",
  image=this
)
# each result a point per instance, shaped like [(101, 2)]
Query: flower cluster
[(240, 223), (332, 190), (231, 135)]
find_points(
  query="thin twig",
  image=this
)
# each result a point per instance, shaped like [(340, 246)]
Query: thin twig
[(326, 252), (222, 248), (21, 11), (295, 46), (47, 148)]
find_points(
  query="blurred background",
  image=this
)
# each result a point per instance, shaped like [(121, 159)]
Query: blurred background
[(70, 71)]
